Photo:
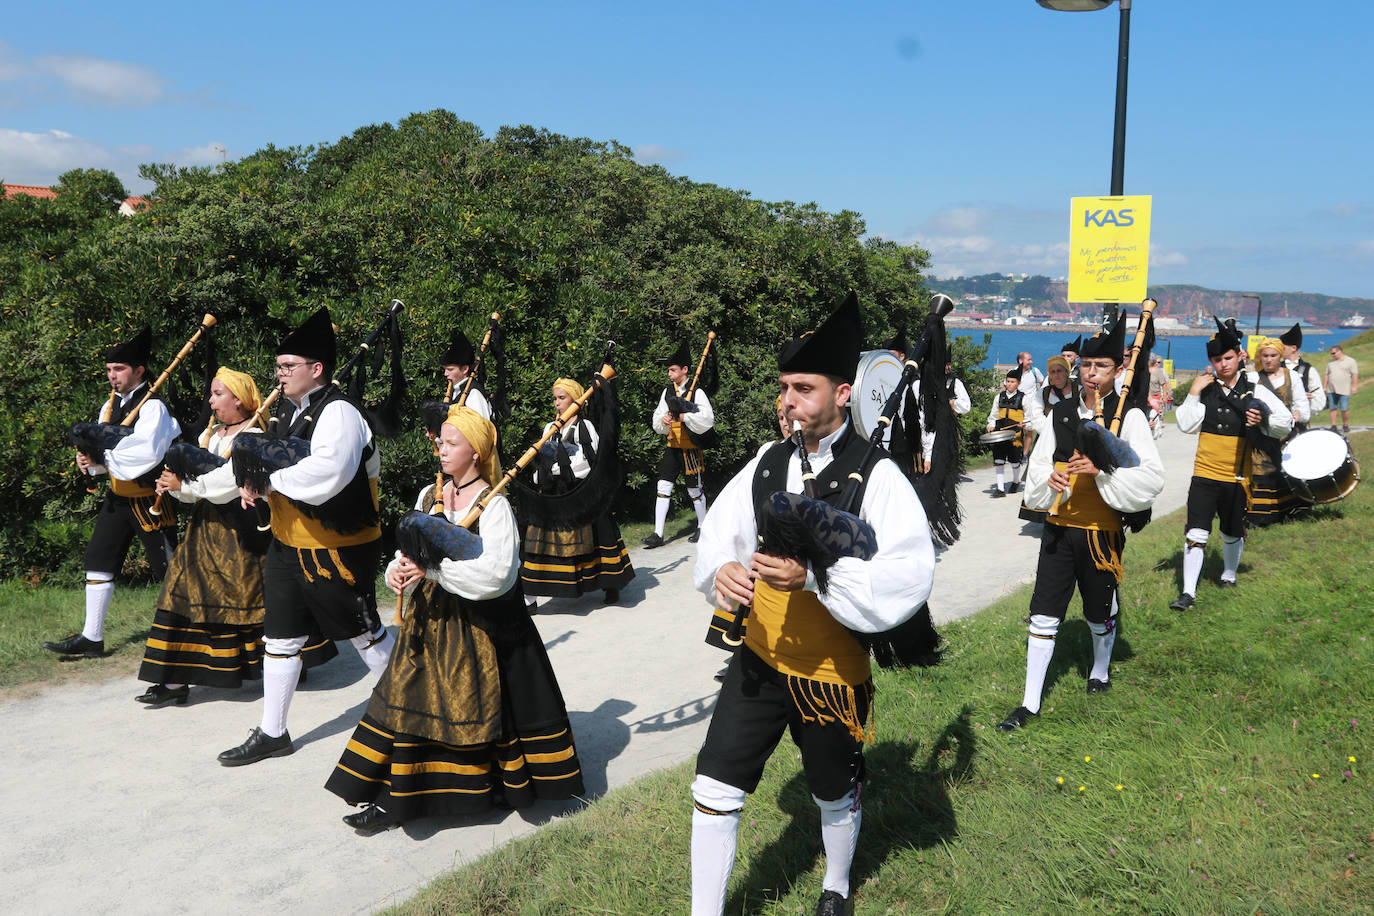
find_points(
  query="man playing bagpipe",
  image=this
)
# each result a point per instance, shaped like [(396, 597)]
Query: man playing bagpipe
[(457, 362), (804, 666), (1231, 417), (683, 421), (132, 465), (468, 715), (319, 475), (1086, 480), (572, 545), (1308, 376)]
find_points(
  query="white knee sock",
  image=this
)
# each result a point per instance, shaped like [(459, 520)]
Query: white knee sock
[(1104, 638), (1231, 549), (281, 669), (375, 650), (1192, 559), (714, 840), (698, 497), (1001, 475), (99, 591), (1016, 473), (840, 820), (1039, 650), (665, 495)]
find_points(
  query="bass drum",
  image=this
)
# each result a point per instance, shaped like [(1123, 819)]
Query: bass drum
[(1320, 466), (878, 375)]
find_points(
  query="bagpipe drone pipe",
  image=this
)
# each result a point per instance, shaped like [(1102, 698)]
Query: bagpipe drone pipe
[(432, 413), (352, 378)]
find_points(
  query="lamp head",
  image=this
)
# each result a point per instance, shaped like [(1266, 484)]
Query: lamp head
[(1075, 6)]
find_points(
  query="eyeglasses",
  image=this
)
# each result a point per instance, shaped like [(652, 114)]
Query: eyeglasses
[(288, 368)]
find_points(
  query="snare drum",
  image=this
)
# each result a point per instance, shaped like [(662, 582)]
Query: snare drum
[(877, 377), (1320, 466)]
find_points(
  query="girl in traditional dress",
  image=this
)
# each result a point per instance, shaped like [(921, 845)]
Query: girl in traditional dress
[(209, 621), (468, 714), (566, 560), (1058, 387), (1271, 498)]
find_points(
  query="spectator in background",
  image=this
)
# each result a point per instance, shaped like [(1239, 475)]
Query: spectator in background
[(1031, 378), (1161, 386), (1342, 381)]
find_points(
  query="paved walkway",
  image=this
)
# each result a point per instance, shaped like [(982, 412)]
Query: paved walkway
[(114, 808)]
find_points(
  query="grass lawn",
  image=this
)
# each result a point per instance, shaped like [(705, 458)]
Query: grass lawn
[(1216, 777)]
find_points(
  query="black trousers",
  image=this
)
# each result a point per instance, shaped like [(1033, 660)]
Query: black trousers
[(306, 589), (115, 530), (672, 464), (1208, 499), (754, 706), (1066, 562)]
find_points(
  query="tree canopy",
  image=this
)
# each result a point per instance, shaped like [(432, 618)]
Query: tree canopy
[(569, 239)]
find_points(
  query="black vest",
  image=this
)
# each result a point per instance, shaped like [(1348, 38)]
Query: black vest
[(770, 475), (1064, 416), (351, 509), (1226, 412), (1015, 401)]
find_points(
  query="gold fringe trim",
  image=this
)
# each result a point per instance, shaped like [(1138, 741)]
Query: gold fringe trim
[(140, 505), (300, 558), (1105, 548), (693, 460), (823, 703), (344, 571)]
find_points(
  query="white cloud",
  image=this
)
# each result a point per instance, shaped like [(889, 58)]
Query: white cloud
[(103, 82), (40, 157), (1163, 257), (653, 154)]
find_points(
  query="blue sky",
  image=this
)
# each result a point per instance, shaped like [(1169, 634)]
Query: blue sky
[(963, 126)]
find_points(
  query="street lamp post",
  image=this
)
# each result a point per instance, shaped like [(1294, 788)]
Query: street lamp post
[(1123, 48)]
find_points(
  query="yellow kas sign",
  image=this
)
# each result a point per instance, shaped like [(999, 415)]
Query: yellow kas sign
[(1109, 248)]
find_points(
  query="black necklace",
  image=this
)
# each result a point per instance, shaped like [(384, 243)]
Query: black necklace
[(463, 486)]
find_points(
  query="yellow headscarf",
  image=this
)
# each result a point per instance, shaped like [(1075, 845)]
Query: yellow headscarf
[(481, 435), (241, 386), (1057, 361), (1269, 343), (574, 390)]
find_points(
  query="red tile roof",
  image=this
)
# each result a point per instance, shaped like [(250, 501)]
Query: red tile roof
[(32, 190)]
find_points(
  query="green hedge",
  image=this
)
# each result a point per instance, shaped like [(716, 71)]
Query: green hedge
[(569, 239)]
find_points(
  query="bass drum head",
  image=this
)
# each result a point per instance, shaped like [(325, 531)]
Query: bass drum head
[(878, 375), (1320, 466)]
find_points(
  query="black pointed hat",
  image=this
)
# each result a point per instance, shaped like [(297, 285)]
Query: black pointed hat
[(459, 352), (1108, 343), (314, 339), (1014, 372), (1293, 336), (133, 352), (682, 356), (1226, 337), (1074, 345), (897, 342), (832, 348)]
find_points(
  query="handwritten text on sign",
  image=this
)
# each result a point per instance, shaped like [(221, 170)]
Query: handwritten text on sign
[(1109, 248)]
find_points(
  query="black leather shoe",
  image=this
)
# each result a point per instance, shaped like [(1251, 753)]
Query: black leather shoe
[(999, 494), (160, 695), (76, 644), (1226, 583), (612, 595), (1015, 719), (257, 747), (832, 904), (694, 536), (1182, 603), (371, 820), (1096, 686), (653, 540), (1013, 488)]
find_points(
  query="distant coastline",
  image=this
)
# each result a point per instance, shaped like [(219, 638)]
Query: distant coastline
[(956, 326)]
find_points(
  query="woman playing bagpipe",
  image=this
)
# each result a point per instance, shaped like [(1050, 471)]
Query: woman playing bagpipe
[(571, 545), (468, 715), (208, 626)]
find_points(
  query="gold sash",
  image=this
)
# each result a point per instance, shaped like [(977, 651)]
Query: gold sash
[(1083, 506), (296, 529), (795, 634), (1221, 458)]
